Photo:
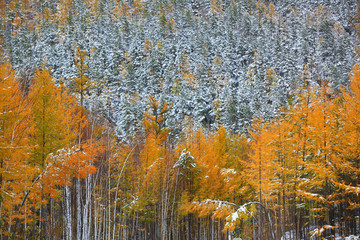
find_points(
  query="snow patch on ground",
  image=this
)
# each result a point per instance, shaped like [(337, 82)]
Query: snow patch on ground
[(291, 235), (351, 237)]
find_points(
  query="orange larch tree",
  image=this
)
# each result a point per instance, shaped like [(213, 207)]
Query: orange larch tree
[(14, 148), (347, 150), (56, 155)]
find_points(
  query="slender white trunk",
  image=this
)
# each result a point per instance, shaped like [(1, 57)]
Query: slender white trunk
[(68, 213), (108, 230), (164, 207), (116, 191), (105, 225), (85, 229), (78, 204), (95, 220), (90, 202)]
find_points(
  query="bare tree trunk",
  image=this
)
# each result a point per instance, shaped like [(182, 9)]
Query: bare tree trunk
[(164, 209), (68, 217), (78, 209), (85, 217), (95, 219)]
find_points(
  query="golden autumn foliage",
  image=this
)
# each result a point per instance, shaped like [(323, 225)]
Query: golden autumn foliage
[(215, 171), (347, 144), (301, 168), (155, 156), (304, 161), (38, 147), (14, 144), (54, 117), (308, 156), (81, 81), (216, 8), (185, 71)]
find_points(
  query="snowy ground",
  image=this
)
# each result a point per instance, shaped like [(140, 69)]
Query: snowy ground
[(348, 238), (351, 237)]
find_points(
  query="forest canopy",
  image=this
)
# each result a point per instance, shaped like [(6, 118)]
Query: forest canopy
[(179, 119)]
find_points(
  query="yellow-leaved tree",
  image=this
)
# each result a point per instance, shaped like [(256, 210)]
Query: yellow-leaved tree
[(14, 147), (56, 156)]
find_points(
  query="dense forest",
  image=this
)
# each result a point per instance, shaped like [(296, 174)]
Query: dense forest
[(179, 119)]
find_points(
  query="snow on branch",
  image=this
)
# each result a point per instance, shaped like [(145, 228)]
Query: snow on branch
[(184, 159), (225, 210)]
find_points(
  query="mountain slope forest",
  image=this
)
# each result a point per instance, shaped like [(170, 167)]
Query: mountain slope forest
[(179, 119)]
